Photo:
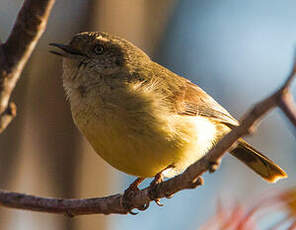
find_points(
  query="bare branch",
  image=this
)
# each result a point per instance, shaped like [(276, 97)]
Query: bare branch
[(191, 178), (15, 52), (69, 207)]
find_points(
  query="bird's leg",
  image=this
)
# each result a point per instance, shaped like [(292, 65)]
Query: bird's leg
[(129, 194), (158, 178), (134, 186)]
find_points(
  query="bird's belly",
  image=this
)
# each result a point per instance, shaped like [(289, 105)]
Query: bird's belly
[(146, 149)]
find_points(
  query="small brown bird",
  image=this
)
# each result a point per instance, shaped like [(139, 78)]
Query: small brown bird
[(139, 116)]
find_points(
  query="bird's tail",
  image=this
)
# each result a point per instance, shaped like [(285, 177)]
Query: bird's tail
[(259, 163)]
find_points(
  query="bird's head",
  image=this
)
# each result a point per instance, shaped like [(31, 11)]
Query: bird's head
[(98, 53)]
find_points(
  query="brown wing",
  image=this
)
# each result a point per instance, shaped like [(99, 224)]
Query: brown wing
[(193, 101), (188, 99)]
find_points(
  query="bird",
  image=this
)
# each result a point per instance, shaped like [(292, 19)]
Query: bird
[(139, 116)]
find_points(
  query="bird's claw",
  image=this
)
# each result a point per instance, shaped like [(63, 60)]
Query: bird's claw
[(213, 166), (128, 195), (152, 191), (157, 201), (144, 207)]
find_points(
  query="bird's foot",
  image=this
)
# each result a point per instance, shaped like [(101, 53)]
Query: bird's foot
[(128, 195), (152, 191), (214, 165), (159, 177)]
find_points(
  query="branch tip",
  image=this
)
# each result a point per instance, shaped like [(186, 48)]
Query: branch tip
[(197, 182)]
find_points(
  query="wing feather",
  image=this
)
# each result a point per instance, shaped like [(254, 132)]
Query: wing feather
[(188, 99)]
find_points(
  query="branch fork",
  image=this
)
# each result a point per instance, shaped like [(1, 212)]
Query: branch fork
[(15, 52)]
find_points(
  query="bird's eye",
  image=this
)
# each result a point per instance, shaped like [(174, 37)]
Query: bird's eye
[(98, 49)]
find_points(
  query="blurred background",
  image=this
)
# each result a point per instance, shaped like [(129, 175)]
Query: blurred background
[(238, 51)]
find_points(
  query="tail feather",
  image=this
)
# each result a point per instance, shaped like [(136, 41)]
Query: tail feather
[(262, 165)]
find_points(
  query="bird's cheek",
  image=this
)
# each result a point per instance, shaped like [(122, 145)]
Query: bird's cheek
[(105, 67)]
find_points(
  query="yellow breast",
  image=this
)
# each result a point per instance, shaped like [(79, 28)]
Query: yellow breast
[(135, 134)]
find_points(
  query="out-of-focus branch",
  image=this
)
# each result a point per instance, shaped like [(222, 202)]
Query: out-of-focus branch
[(285, 105), (7, 116), (286, 99), (15, 52), (191, 178)]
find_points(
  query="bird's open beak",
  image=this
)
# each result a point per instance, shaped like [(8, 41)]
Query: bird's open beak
[(66, 49)]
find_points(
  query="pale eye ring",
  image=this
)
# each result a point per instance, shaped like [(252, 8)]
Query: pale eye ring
[(99, 49)]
